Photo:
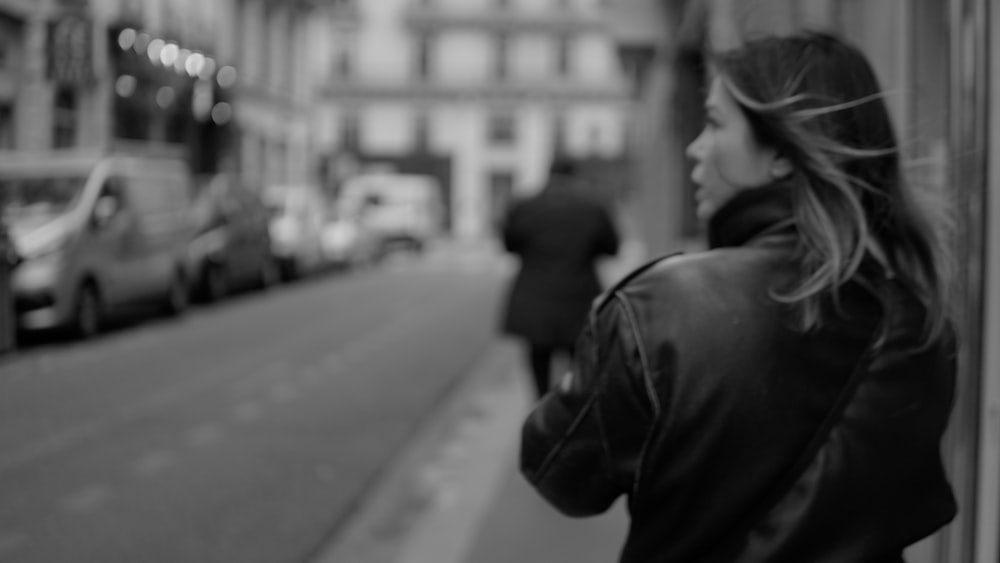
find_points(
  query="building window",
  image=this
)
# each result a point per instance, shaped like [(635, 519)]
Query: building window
[(558, 134), (64, 119), (501, 192), (502, 129), (425, 46), (6, 127), (563, 55), (595, 139), (421, 133), (501, 64), (349, 132), (345, 63)]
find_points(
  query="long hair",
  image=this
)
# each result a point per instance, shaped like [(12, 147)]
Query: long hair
[(816, 100)]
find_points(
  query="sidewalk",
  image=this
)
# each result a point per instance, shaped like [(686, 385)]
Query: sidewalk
[(456, 496)]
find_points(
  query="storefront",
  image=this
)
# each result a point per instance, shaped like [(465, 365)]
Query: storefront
[(164, 92)]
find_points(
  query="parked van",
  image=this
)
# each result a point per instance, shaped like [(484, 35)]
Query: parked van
[(298, 216), (95, 231), (402, 209)]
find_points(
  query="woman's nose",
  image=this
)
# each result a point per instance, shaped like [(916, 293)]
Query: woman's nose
[(694, 150)]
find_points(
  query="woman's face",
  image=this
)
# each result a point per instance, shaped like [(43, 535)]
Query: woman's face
[(727, 158)]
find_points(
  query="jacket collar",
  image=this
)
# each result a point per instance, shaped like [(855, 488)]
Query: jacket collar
[(751, 213)]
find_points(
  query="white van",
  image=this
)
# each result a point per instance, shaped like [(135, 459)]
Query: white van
[(402, 209), (95, 231), (298, 215)]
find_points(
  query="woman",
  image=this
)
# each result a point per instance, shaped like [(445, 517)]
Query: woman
[(782, 396)]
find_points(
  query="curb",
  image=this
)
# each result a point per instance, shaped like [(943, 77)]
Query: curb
[(427, 507)]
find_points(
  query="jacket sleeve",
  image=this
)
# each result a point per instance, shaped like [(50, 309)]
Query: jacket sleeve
[(581, 446)]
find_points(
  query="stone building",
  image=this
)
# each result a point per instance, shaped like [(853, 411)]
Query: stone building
[(80, 73), (480, 93)]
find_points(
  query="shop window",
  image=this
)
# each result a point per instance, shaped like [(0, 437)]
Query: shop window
[(502, 129), (64, 119)]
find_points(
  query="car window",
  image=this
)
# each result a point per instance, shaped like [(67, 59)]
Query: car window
[(43, 196), (155, 194)]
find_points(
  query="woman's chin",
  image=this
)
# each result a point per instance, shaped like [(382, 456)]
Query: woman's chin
[(704, 211)]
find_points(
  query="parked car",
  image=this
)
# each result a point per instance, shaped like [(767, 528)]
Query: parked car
[(231, 248), (95, 231), (297, 216), (402, 209), (349, 242), (9, 259)]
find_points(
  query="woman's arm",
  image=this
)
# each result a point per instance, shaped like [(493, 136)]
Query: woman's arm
[(582, 444)]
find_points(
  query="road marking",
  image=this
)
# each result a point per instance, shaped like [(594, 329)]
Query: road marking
[(87, 500), (12, 541), (245, 412), (205, 435), (152, 462), (283, 392)]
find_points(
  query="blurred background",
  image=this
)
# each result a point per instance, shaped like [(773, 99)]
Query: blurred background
[(248, 248)]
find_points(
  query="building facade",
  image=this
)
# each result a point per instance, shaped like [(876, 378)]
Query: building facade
[(231, 79), (943, 90), (277, 47), (480, 93)]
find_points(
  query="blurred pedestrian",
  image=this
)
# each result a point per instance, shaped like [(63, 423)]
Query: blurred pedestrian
[(783, 395), (558, 235)]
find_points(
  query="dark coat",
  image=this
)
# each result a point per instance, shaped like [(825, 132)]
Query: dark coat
[(558, 236), (694, 396)]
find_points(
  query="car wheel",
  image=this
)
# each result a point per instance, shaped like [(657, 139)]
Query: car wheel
[(176, 300), (290, 270), (87, 315), (215, 283), (269, 274)]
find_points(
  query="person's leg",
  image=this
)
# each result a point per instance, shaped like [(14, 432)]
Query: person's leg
[(562, 362), (540, 358)]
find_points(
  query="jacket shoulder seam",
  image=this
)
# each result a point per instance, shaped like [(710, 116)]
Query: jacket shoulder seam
[(609, 295), (648, 385)]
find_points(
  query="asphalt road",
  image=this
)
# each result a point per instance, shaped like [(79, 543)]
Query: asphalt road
[(247, 431)]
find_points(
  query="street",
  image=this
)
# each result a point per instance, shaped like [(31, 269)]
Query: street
[(245, 431)]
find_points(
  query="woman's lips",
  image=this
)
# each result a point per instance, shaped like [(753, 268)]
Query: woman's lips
[(696, 174)]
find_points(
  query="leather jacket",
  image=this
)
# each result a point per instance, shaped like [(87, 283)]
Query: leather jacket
[(694, 396)]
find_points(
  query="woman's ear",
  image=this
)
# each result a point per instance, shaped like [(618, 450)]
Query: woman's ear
[(781, 168)]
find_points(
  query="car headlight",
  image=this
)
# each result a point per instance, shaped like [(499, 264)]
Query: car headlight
[(47, 249)]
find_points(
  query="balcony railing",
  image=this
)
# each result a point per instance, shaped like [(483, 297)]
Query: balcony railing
[(429, 17), (488, 90)]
